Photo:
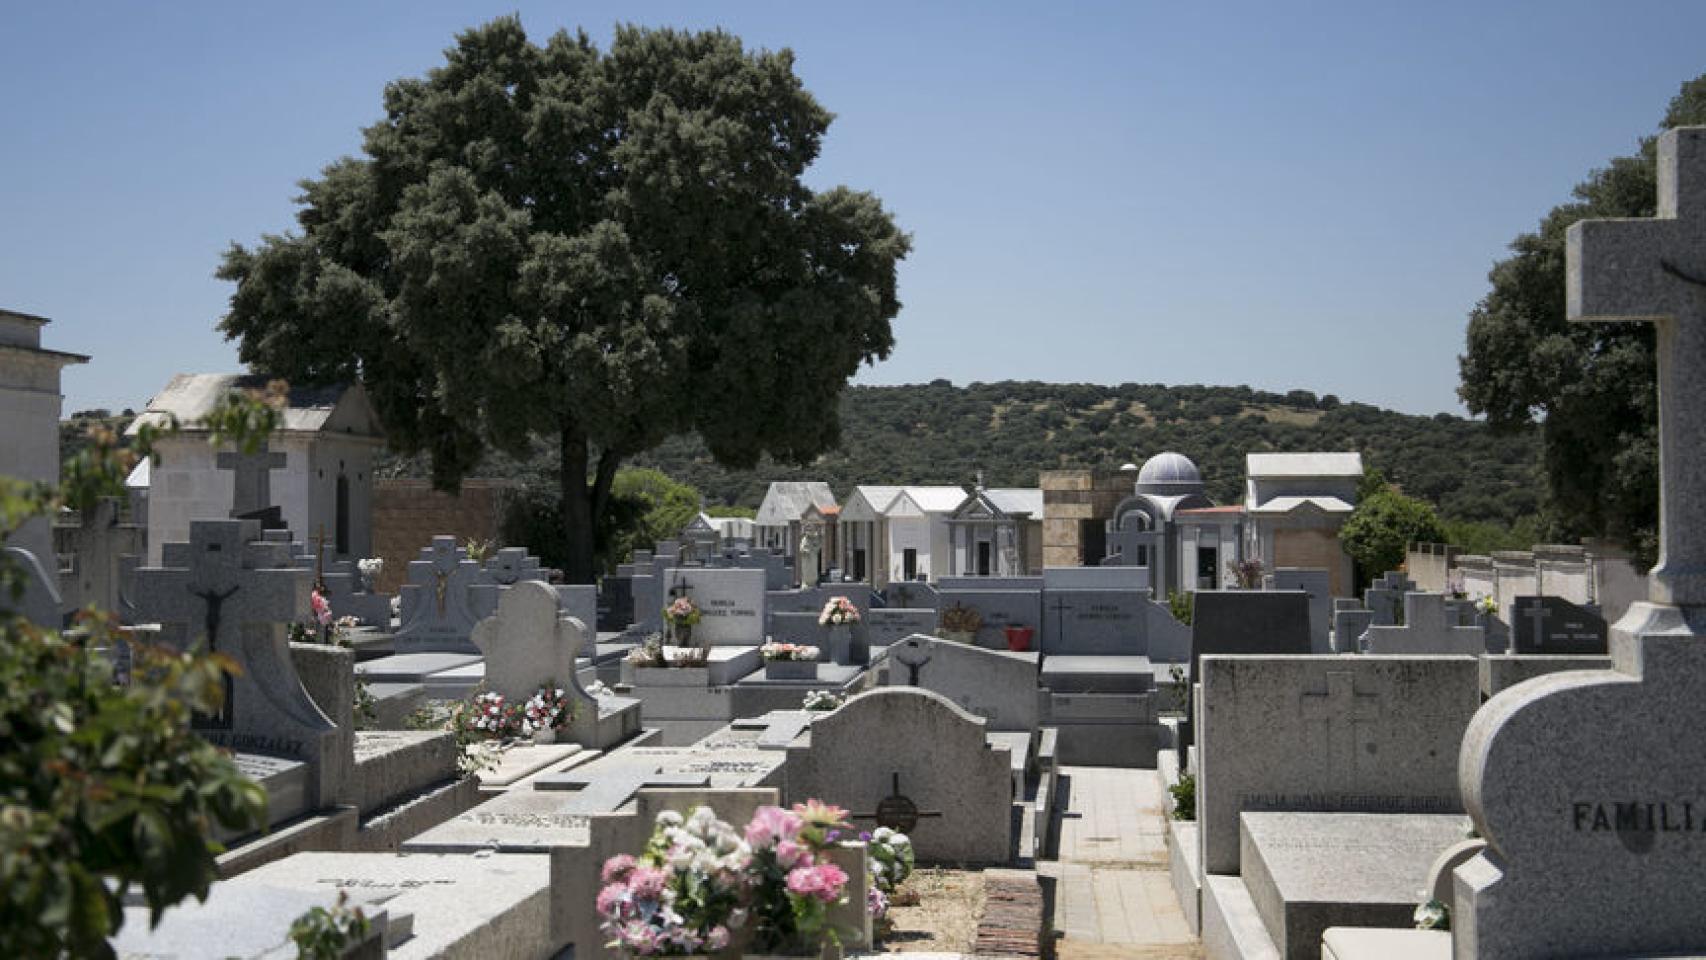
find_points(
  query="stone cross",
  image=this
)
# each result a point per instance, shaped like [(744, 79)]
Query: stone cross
[(234, 595), (251, 486), (1654, 270), (1343, 708), (1539, 614), (526, 645), (600, 793), (437, 609)]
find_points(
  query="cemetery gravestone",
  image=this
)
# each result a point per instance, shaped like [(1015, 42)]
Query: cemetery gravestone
[(997, 685), (900, 757), (1327, 734), (437, 613), (1248, 621), (731, 604), (1385, 598), (1429, 628), (234, 597), (999, 609), (1591, 780), (524, 643), (1318, 584), (1095, 622), (886, 626), (1555, 626)]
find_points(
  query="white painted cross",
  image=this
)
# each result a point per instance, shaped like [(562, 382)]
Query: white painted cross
[(1654, 270)]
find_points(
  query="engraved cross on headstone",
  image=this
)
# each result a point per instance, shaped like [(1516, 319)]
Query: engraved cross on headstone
[(251, 485), (897, 811), (1060, 607), (1539, 614), (1341, 708), (1654, 270)]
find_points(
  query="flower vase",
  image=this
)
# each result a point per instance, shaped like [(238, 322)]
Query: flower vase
[(840, 648), (545, 736)]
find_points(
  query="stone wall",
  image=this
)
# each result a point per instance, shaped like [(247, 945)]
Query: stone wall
[(407, 514), (1073, 500)]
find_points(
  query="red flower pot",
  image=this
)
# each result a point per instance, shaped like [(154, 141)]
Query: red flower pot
[(1019, 638)]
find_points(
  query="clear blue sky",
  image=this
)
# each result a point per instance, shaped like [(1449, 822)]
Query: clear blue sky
[(1301, 195)]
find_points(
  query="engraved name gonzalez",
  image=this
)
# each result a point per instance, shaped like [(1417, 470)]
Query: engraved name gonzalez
[(1638, 817)]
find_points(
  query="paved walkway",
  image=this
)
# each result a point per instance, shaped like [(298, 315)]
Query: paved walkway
[(1113, 898)]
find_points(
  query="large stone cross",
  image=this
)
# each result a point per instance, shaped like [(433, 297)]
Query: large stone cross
[(251, 484), (1654, 270)]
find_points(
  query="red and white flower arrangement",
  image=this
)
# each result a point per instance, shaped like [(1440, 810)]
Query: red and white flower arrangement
[(549, 709), (838, 612), (788, 651)]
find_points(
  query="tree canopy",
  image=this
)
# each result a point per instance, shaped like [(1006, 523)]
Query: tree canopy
[(599, 249), (1590, 385), (1383, 524)]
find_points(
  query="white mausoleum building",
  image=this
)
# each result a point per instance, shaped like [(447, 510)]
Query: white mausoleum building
[(319, 473)]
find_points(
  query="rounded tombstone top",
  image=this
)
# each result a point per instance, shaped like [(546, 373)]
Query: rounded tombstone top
[(1169, 473)]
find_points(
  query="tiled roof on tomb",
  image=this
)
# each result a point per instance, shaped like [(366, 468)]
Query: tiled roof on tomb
[(192, 396)]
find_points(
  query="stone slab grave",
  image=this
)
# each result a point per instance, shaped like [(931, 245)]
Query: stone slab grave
[(1429, 628), (1385, 597), (842, 645), (412, 667), (1317, 583), (234, 597), (1306, 872), (522, 760), (461, 905), (1555, 626), (997, 685), (1339, 733), (436, 607), (249, 920), (1591, 781), (528, 644), (812, 599), (731, 604), (1348, 627), (610, 782), (886, 626), (1094, 622), (914, 761), (1000, 608)]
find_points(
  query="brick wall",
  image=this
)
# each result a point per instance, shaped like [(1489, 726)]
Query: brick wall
[(407, 514)]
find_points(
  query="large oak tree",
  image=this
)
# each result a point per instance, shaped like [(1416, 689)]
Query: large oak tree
[(600, 249), (1591, 385)]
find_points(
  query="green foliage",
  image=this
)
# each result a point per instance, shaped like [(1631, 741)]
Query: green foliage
[(938, 433), (719, 510), (645, 506), (1182, 605), (1590, 386), (1381, 528), (595, 250), (322, 934), (1483, 537), (104, 788), (1184, 797)]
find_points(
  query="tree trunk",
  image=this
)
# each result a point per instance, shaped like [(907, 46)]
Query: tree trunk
[(582, 503), (575, 505)]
